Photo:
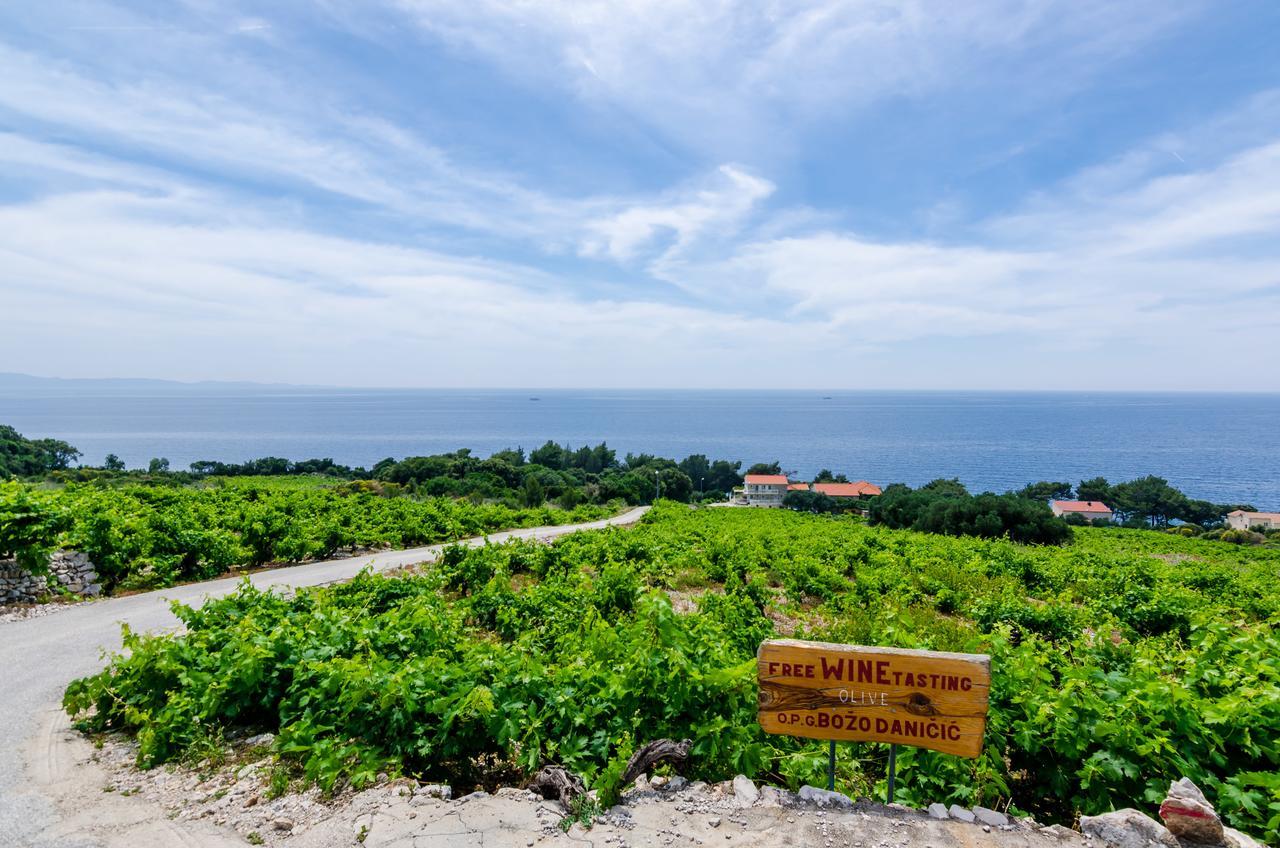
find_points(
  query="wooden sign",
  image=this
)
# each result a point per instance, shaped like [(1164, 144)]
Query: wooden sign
[(928, 699)]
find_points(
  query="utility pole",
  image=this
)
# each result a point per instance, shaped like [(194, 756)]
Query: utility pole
[(657, 486)]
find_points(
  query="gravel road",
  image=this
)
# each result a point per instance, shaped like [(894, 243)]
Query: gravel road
[(40, 656)]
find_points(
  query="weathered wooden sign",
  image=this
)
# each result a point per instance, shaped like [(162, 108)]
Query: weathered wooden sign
[(928, 699)]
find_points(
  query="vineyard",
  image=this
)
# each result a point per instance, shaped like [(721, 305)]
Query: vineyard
[(149, 536), (1120, 661)]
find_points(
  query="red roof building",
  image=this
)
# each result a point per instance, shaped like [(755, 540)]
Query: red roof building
[(860, 489), (767, 479), (765, 489), (1091, 510)]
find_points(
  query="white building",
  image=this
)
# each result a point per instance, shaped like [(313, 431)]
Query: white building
[(1092, 510), (1241, 520), (765, 489)]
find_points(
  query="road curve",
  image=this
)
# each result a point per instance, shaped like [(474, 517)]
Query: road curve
[(40, 656)]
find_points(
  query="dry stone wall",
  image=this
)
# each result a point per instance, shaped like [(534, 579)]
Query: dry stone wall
[(69, 570)]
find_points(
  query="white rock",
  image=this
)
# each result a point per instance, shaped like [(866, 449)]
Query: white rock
[(824, 797), (434, 790), (990, 817), (744, 791), (958, 812), (1058, 831), (772, 796), (937, 811)]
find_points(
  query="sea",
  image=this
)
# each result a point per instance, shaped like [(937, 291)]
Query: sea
[(1220, 447)]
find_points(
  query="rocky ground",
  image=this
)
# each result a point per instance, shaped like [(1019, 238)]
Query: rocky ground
[(236, 800), (19, 612), (242, 800)]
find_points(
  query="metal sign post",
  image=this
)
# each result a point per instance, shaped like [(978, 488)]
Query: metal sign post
[(893, 767), (926, 699)]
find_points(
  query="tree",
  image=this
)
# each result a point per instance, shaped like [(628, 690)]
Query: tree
[(113, 463), (158, 465), (944, 510), (1097, 489), (825, 476), (723, 476), (810, 502), (56, 454), (675, 485), (532, 493), (632, 461), (23, 457), (512, 456), (593, 460), (952, 488), (765, 468), (550, 455), (1204, 513), (696, 466), (1045, 491), (1150, 498)]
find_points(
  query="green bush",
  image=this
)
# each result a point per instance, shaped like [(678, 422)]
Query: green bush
[(148, 536), (948, 509), (1121, 661), (29, 525)]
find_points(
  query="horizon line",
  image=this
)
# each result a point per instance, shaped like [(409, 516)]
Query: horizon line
[(165, 381)]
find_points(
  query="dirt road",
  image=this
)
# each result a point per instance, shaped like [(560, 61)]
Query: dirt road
[(40, 656)]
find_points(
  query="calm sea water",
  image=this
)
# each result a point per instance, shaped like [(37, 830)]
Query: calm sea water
[(1218, 447)]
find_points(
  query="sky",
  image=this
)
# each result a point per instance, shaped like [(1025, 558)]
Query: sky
[(994, 194)]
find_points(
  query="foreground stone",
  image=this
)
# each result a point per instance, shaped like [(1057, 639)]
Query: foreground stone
[(171, 807), (101, 789), (1128, 828), (744, 791), (825, 798), (1189, 815)]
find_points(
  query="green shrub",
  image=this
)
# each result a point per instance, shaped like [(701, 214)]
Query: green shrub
[(30, 522), (1121, 661)]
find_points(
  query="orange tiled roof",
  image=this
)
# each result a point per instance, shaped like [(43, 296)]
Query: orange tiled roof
[(775, 479), (1082, 506), (847, 490)]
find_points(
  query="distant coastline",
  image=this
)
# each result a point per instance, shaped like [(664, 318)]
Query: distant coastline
[(1217, 447)]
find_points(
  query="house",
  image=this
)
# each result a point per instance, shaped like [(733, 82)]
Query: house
[(797, 487), (1090, 510), (1240, 520), (765, 489), (860, 489)]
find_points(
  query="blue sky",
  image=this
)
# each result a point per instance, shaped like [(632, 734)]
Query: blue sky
[(1063, 194)]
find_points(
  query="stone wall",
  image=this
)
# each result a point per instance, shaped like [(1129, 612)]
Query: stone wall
[(69, 569)]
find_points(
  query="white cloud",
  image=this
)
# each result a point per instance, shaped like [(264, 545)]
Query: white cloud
[(185, 285), (1154, 263), (732, 76), (718, 208), (172, 225)]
